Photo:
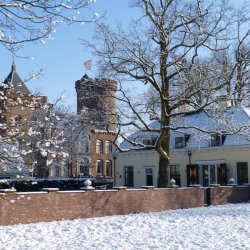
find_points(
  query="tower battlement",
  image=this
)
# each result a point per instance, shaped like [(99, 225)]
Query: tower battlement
[(96, 100)]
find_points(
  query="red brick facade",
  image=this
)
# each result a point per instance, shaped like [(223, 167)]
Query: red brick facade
[(104, 156)]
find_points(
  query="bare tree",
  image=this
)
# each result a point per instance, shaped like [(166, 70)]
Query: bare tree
[(30, 21), (240, 83), (172, 48), (22, 22)]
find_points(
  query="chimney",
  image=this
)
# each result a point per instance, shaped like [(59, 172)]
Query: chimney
[(223, 102)]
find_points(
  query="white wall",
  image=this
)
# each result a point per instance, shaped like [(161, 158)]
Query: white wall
[(141, 159)]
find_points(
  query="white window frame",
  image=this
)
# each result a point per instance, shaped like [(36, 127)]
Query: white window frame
[(108, 147), (97, 166), (99, 146), (111, 170), (213, 143)]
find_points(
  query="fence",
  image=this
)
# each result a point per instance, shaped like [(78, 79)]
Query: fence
[(51, 204)]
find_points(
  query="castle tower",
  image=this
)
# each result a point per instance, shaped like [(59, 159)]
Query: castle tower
[(96, 100), (96, 105)]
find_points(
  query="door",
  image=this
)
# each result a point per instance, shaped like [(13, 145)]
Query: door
[(149, 177), (222, 174), (192, 174), (129, 176), (213, 174), (205, 176)]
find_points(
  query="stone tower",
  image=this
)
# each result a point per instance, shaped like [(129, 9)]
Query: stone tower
[(96, 101)]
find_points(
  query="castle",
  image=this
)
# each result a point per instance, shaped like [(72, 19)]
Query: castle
[(90, 149)]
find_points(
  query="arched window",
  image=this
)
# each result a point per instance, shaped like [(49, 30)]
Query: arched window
[(109, 168), (99, 147), (83, 143), (108, 147), (99, 168), (84, 166)]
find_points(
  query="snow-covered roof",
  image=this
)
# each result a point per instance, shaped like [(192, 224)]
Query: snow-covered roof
[(199, 127)]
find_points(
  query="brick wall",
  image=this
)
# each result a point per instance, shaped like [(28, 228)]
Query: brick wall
[(58, 205), (16, 207), (227, 194)]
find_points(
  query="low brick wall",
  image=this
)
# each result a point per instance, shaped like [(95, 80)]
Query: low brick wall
[(48, 206), (228, 194), (31, 207)]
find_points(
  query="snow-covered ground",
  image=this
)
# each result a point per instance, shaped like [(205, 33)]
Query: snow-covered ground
[(218, 227)]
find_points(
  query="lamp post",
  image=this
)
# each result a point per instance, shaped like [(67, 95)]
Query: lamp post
[(189, 157), (114, 173)]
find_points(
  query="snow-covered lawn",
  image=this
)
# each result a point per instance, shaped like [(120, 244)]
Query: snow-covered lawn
[(218, 227)]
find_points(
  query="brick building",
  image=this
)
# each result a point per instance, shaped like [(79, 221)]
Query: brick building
[(96, 104), (17, 104)]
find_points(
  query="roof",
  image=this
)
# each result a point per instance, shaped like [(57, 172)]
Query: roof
[(14, 81), (199, 126)]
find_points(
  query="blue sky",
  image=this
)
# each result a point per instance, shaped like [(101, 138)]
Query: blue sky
[(63, 57)]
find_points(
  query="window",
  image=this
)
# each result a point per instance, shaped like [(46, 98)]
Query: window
[(64, 168), (109, 168), (85, 148), (214, 173), (108, 147), (83, 144), (84, 170), (99, 147), (150, 141), (242, 173), (16, 120), (217, 139), (84, 166), (175, 174), (99, 170), (181, 141)]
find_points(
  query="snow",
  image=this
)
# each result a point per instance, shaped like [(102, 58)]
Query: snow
[(214, 227), (232, 120)]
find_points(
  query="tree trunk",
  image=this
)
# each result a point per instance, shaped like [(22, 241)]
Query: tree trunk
[(163, 149), (41, 170), (163, 172)]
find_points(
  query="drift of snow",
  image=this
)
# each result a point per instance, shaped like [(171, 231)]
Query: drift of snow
[(214, 227)]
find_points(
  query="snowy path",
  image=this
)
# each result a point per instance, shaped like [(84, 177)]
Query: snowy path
[(219, 227)]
